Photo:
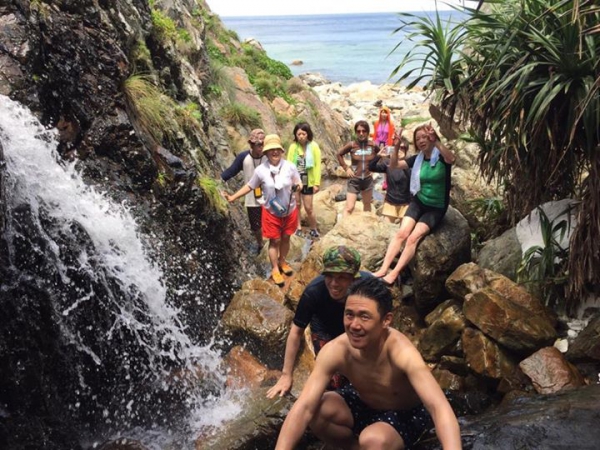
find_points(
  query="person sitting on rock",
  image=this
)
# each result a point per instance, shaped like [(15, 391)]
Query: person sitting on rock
[(247, 161), (362, 151), (306, 155), (278, 180), (430, 187), (397, 194), (392, 395), (322, 306)]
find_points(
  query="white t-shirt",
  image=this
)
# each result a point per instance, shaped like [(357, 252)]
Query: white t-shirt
[(250, 164), (276, 181)]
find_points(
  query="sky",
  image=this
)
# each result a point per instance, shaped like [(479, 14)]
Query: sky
[(226, 8)]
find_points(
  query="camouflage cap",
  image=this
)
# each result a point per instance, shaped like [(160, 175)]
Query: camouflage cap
[(341, 259), (256, 135)]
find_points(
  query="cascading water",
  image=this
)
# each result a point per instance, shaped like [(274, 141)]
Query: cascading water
[(96, 330)]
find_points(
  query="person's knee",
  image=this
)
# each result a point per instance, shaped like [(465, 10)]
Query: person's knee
[(413, 239), (371, 439)]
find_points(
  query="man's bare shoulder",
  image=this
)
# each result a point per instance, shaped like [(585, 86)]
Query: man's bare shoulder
[(400, 347), (335, 351)]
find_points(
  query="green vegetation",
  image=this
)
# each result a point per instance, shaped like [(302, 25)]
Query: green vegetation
[(527, 84), (408, 120), (241, 114), (156, 113), (212, 190), (152, 109), (544, 268), (164, 25)]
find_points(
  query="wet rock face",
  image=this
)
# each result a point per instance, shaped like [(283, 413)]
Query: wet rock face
[(67, 61), (569, 418)]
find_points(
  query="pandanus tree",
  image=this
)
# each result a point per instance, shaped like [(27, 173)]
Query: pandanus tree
[(523, 79)]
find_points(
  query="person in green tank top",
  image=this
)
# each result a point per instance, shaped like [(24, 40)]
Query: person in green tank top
[(430, 187)]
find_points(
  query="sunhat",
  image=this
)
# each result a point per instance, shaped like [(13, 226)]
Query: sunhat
[(272, 141)]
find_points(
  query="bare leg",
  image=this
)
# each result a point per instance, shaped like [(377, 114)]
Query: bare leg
[(274, 245), (367, 196), (299, 203), (333, 422), (350, 202), (284, 248), (421, 230), (380, 435), (307, 200), (395, 245)]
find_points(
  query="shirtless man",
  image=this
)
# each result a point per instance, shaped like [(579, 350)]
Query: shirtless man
[(391, 392)]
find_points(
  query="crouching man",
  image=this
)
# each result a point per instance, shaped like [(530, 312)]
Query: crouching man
[(392, 396)]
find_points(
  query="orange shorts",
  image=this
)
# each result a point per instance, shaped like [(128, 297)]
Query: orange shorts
[(274, 227)]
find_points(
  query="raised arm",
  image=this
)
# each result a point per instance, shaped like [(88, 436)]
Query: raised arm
[(447, 154), (397, 157), (236, 166), (292, 345), (433, 398)]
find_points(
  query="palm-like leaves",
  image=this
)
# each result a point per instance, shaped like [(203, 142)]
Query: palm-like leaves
[(524, 78)]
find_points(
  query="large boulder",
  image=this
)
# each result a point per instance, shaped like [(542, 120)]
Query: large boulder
[(550, 372), (255, 319), (508, 323), (470, 278), (446, 324), (586, 346), (437, 256), (324, 207), (485, 357), (502, 254), (366, 232), (567, 419)]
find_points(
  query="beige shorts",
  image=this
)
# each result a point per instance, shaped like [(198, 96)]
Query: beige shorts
[(395, 211)]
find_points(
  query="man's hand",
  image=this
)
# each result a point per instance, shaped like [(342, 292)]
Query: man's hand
[(283, 386)]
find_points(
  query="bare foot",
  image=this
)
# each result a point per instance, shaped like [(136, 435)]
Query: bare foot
[(380, 273), (390, 278)]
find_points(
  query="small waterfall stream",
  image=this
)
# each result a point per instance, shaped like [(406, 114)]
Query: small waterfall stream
[(114, 349)]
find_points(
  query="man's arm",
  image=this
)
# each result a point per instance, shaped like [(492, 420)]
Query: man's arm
[(292, 345), (433, 398), (328, 362), (236, 166)]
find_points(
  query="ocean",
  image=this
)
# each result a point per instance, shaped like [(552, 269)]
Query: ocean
[(343, 47)]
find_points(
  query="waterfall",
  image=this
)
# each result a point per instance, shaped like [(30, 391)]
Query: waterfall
[(80, 274)]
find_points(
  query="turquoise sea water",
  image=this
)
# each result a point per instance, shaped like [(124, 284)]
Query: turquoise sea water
[(343, 47)]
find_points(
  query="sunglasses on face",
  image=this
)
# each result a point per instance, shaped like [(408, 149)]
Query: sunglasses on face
[(361, 131), (403, 147), (258, 144)]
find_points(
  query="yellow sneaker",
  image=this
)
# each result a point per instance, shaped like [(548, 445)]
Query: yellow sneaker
[(286, 268), (277, 278)]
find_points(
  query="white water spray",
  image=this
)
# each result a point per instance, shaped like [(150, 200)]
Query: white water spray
[(35, 177)]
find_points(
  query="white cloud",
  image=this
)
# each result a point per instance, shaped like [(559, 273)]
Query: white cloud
[(306, 7)]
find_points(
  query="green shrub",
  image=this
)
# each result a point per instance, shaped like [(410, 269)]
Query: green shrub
[(163, 25), (544, 268), (153, 110), (212, 190), (241, 114)]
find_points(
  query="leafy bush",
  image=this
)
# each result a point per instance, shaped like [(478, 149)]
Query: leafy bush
[(212, 190), (241, 115), (544, 268), (163, 25)]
